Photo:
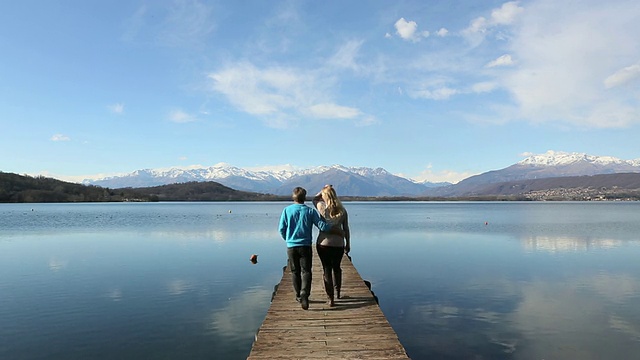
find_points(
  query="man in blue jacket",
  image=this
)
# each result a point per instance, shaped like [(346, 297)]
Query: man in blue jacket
[(296, 225)]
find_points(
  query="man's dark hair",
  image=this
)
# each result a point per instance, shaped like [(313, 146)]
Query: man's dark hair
[(299, 195)]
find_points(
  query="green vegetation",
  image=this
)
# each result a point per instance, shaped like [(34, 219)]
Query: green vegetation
[(16, 188), (26, 189)]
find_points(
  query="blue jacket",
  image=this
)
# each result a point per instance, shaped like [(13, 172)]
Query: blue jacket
[(296, 224)]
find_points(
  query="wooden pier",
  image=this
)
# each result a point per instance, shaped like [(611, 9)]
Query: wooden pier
[(355, 328)]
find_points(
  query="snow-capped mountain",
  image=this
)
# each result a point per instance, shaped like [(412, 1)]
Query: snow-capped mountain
[(362, 181), (355, 181), (548, 165), (559, 158)]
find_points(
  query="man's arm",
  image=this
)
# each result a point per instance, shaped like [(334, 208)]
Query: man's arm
[(282, 228), (325, 226)]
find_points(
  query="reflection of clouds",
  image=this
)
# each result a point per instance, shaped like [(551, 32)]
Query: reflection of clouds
[(56, 264), (576, 317), (115, 294), (217, 235), (436, 310), (567, 244), (178, 287), (242, 315), (564, 320), (616, 288), (625, 327)]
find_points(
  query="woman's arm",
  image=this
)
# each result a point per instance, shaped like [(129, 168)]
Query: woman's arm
[(347, 233), (317, 199)]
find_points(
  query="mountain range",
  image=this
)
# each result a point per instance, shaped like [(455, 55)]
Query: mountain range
[(362, 181)]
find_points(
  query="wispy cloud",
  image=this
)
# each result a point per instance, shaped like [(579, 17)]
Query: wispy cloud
[(345, 57), (280, 95), (117, 108), (441, 93), (179, 116), (333, 111), (572, 59), (479, 27), (60, 137), (504, 60), (572, 64), (623, 76), (179, 23), (442, 32), (449, 176)]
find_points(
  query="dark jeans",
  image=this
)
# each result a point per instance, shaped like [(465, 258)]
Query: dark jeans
[(300, 265), (331, 256)]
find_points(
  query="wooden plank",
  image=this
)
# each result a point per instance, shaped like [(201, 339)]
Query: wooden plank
[(355, 328)]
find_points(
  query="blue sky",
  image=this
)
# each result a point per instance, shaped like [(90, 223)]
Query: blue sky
[(432, 90)]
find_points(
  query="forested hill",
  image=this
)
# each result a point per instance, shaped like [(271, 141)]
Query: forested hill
[(201, 191), (16, 188)]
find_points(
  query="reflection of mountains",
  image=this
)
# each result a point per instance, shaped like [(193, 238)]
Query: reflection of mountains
[(217, 235), (567, 244)]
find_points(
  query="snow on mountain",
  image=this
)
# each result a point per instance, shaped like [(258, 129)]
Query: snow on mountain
[(369, 181), (551, 164), (271, 180), (560, 158)]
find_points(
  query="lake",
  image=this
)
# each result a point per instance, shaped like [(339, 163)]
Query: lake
[(457, 280)]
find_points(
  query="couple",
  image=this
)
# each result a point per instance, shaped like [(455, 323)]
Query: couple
[(296, 224)]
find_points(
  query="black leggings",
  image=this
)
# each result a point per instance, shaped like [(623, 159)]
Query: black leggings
[(331, 256)]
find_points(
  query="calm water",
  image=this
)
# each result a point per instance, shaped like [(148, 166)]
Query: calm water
[(456, 280)]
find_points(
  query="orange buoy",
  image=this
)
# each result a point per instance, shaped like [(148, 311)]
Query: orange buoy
[(254, 258)]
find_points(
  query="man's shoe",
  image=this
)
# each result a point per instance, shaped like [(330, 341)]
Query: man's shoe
[(304, 302), (297, 298)]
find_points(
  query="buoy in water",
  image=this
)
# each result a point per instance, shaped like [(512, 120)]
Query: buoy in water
[(254, 259)]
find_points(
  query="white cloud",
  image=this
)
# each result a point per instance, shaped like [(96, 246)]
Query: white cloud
[(280, 95), (178, 23), (60, 137), (504, 60), (479, 27), (506, 14), (623, 76), (433, 93), (117, 108), (179, 116), (333, 111), (441, 176), (408, 30), (484, 87), (572, 59), (442, 32), (346, 56)]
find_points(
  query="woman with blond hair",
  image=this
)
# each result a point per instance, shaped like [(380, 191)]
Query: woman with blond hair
[(332, 245)]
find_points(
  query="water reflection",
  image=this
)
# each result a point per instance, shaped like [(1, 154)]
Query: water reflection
[(179, 286), (129, 281), (541, 318), (56, 264), (242, 315), (563, 244)]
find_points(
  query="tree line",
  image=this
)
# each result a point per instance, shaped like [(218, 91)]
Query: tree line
[(16, 188)]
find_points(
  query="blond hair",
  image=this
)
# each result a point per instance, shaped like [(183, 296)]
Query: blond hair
[(334, 205)]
